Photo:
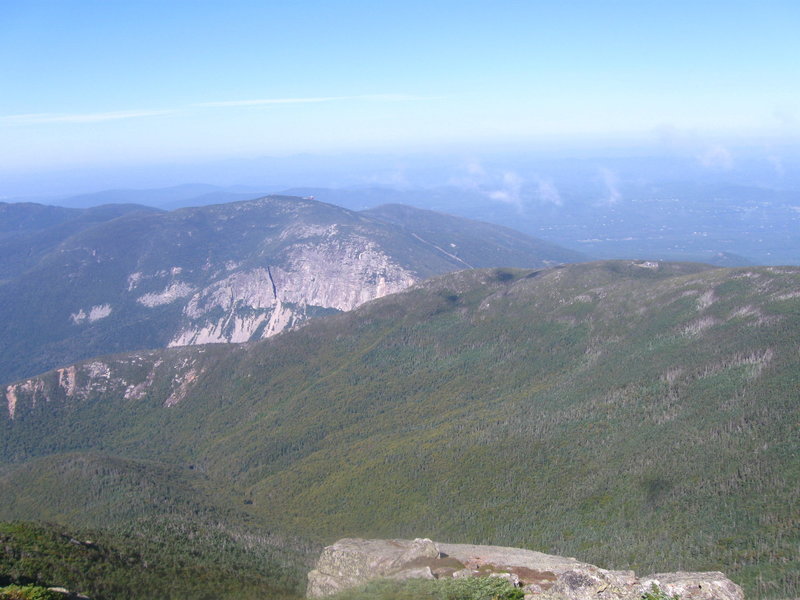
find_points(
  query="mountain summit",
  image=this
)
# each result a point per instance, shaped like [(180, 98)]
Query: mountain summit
[(228, 273)]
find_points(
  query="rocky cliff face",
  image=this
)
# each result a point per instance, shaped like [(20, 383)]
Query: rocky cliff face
[(332, 271), (226, 273), (352, 562), (166, 376)]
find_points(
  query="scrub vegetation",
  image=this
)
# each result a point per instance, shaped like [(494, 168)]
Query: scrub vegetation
[(633, 415)]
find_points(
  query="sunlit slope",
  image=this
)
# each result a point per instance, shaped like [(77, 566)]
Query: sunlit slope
[(150, 561), (632, 414), (156, 530)]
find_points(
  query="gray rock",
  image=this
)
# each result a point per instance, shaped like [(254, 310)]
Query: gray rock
[(415, 573), (68, 595), (352, 562), (588, 582), (464, 573), (512, 578), (420, 548), (695, 586)]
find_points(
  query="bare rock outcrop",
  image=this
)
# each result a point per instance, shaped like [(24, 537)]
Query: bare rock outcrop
[(133, 377), (698, 586), (351, 562)]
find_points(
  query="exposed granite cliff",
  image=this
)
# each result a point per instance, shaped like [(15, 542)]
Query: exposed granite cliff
[(322, 269), (229, 273), (351, 562), (167, 377)]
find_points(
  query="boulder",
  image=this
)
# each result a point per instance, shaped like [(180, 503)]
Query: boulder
[(68, 595), (413, 573), (351, 562), (711, 585)]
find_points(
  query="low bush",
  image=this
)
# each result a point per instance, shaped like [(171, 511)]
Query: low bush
[(28, 592), (472, 588), (656, 593)]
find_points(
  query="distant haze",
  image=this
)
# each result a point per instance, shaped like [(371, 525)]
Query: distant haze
[(141, 89), (619, 129), (548, 168)]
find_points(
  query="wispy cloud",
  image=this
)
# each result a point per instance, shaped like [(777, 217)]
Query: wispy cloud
[(99, 117), (470, 175), (785, 117), (547, 192), (716, 157), (37, 118), (510, 192), (777, 164), (611, 184), (316, 99)]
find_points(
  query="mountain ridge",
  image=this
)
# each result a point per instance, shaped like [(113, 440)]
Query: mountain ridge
[(223, 273), (635, 413)]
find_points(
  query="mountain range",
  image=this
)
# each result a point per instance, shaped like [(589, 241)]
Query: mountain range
[(646, 207), (638, 414), (78, 283)]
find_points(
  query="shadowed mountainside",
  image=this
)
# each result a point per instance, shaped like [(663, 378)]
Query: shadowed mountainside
[(89, 284)]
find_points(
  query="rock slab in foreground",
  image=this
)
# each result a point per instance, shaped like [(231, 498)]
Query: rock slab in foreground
[(351, 562)]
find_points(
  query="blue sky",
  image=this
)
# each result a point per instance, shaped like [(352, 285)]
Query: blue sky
[(126, 82)]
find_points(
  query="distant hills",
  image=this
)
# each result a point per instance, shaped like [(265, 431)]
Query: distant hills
[(85, 282), (29, 232), (633, 217), (165, 198), (638, 414), (635, 207)]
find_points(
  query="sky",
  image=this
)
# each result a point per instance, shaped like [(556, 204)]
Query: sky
[(94, 84)]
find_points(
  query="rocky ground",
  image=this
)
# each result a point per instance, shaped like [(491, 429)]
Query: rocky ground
[(351, 562)]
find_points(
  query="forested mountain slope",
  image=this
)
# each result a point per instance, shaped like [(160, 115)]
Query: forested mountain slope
[(636, 414), (221, 273), (29, 232)]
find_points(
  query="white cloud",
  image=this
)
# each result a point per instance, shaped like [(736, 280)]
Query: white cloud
[(611, 184), (37, 118), (785, 117), (314, 99), (716, 157), (777, 165), (470, 175), (396, 177), (98, 117), (475, 168), (547, 192), (510, 191)]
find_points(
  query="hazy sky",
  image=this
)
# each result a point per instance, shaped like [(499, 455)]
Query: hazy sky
[(104, 82)]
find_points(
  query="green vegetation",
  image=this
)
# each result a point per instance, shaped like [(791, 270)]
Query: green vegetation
[(29, 232), (473, 588), (150, 560), (56, 262), (28, 592), (632, 417), (656, 593)]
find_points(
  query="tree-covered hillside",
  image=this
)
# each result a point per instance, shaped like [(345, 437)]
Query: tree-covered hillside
[(633, 414), (151, 559), (80, 283)]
